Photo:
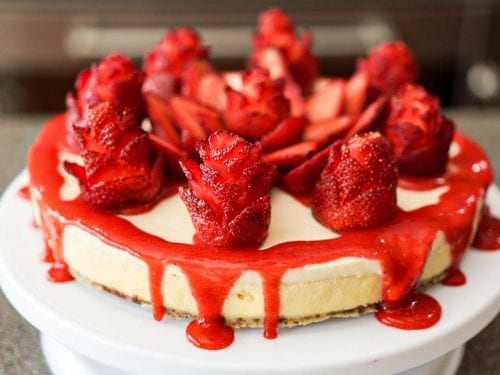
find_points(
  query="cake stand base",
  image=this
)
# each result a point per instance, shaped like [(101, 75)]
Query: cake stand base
[(62, 361)]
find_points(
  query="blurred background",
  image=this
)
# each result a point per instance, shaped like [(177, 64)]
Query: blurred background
[(44, 43)]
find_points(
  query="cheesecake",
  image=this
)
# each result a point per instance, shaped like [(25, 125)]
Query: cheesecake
[(265, 198)]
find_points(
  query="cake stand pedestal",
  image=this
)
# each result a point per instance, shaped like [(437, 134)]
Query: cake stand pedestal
[(86, 331), (63, 361)]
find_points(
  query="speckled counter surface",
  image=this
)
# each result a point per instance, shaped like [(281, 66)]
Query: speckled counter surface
[(19, 345)]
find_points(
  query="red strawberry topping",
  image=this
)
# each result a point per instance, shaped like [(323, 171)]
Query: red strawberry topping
[(303, 178), (326, 103), (276, 31), (169, 68), (228, 195), (120, 166), (113, 80), (194, 120), (357, 188), (389, 67), (420, 134), (173, 52), (258, 108)]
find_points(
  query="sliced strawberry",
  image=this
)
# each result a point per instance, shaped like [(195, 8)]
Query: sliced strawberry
[(161, 118), (325, 131), (421, 135), (272, 60), (228, 195), (289, 131), (282, 51), (114, 80), (356, 93), (121, 168), (195, 118), (372, 117), (189, 143), (212, 91), (291, 156), (301, 179), (357, 188), (201, 83), (258, 107), (164, 85), (389, 66), (327, 103), (171, 154), (293, 93), (192, 74)]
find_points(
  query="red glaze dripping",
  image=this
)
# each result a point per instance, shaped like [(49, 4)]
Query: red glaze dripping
[(488, 234), (454, 277), (24, 192), (47, 256), (59, 273), (156, 272), (416, 311), (211, 335), (271, 289), (401, 245)]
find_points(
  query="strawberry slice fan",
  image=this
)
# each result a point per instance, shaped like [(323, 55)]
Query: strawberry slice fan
[(265, 198)]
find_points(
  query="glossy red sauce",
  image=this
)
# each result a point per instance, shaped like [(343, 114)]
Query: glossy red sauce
[(24, 192), (415, 311), (47, 256), (401, 245), (488, 235), (210, 334), (454, 277)]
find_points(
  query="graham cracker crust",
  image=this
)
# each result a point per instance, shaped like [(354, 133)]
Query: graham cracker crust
[(253, 323)]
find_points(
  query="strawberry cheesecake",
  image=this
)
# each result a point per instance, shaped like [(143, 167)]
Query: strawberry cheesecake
[(264, 198)]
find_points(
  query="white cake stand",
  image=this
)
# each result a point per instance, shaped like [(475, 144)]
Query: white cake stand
[(85, 331)]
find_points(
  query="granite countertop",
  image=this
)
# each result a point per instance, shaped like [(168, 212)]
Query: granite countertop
[(19, 345)]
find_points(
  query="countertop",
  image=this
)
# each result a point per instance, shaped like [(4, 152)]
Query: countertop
[(19, 345)]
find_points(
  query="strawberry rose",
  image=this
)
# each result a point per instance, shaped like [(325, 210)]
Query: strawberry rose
[(113, 80), (389, 67), (357, 187), (421, 135), (165, 63), (277, 33), (120, 167), (228, 194)]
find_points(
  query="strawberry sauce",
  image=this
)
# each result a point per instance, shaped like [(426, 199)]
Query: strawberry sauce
[(24, 192), (488, 236), (401, 246), (454, 277), (210, 334), (415, 311)]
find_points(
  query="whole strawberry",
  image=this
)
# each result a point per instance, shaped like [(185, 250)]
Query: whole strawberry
[(120, 167), (276, 31), (357, 188), (228, 194), (113, 80), (389, 67), (421, 135), (258, 108)]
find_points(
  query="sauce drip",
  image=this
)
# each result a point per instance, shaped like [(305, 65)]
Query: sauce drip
[(47, 256), (416, 311), (24, 192), (211, 335), (59, 273), (488, 234), (156, 272), (401, 246), (454, 277)]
